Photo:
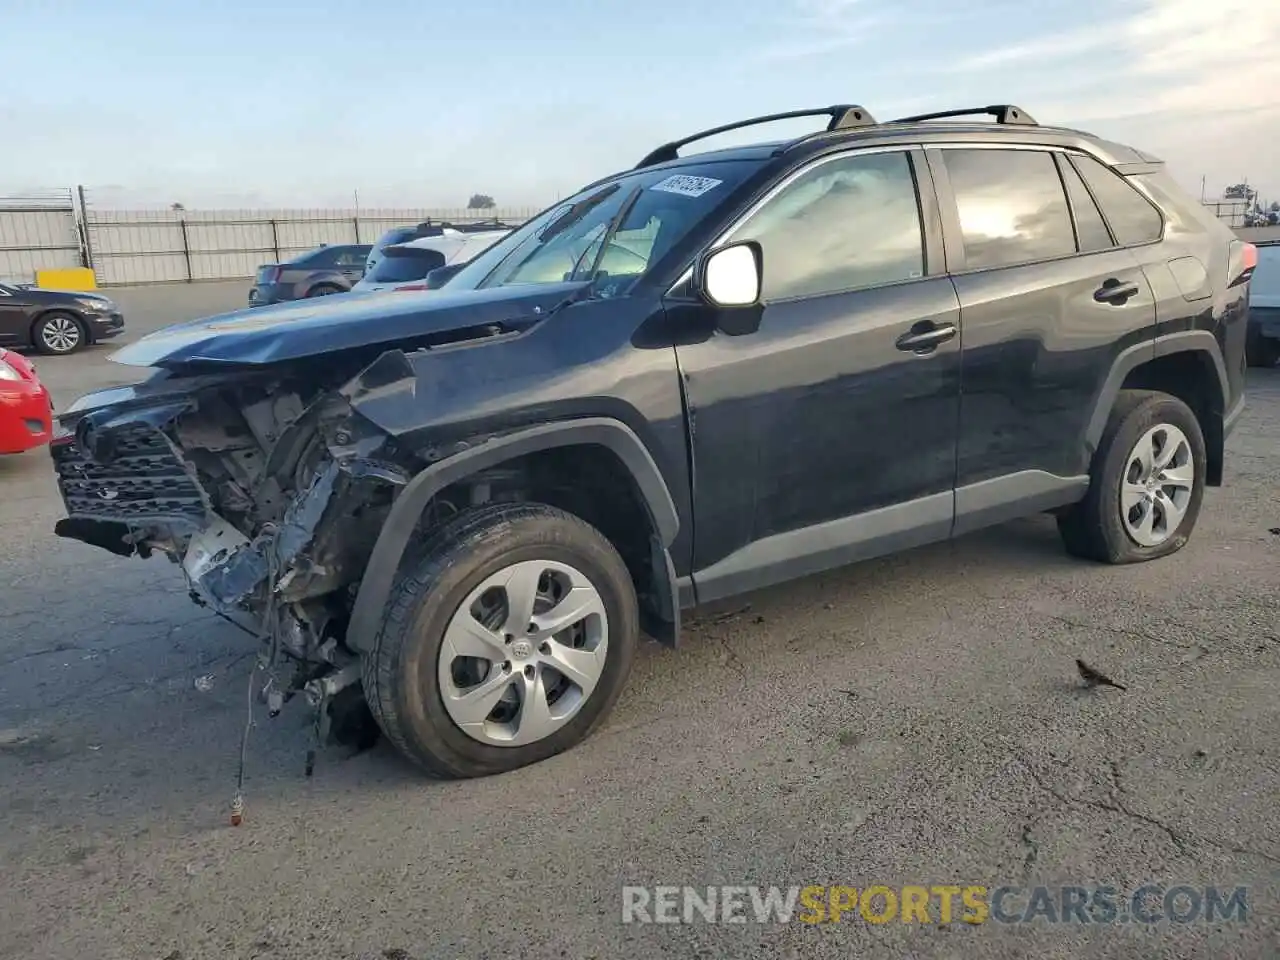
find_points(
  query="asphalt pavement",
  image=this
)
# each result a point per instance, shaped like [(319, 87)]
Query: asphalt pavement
[(910, 721)]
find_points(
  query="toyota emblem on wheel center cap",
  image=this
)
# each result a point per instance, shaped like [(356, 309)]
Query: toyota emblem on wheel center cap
[(521, 649)]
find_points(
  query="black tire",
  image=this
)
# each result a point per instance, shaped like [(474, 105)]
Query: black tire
[(1262, 351), (41, 333), (324, 290), (1093, 528), (399, 673)]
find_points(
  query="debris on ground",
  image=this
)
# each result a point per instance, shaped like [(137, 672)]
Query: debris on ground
[(1096, 678)]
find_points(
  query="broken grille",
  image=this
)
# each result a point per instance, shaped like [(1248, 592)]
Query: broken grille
[(145, 483)]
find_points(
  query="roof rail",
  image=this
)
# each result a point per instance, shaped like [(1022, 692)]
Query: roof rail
[(1003, 112), (843, 116)]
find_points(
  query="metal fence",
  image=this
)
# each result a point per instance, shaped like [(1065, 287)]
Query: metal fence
[(62, 228), (38, 231), (157, 246), (1234, 213)]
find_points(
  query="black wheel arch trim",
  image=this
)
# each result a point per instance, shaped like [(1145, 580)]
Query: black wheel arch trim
[(397, 530), (1186, 341)]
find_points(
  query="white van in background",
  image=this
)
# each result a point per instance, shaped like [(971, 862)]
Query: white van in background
[(1263, 343), (404, 266)]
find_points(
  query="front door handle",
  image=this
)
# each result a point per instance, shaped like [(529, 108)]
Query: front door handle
[(1115, 292), (920, 339)]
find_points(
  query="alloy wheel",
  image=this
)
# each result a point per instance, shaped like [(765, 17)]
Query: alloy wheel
[(60, 334)]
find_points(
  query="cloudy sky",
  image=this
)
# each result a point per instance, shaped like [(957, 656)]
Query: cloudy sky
[(423, 102)]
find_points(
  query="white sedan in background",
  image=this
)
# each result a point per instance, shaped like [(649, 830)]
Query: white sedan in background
[(404, 266)]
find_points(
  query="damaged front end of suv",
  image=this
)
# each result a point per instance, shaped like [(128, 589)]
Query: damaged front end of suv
[(257, 475), (265, 490)]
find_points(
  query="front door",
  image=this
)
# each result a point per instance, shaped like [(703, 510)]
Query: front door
[(828, 434), (15, 318)]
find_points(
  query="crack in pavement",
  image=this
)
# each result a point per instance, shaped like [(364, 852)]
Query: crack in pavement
[(1033, 848), (1114, 807), (149, 683), (124, 644), (1202, 650), (1118, 806), (42, 652)]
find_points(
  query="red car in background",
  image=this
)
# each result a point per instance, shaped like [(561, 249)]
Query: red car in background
[(26, 412)]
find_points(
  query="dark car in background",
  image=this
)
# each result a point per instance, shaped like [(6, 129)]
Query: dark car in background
[(55, 322), (317, 273)]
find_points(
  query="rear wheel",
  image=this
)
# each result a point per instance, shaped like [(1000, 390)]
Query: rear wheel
[(323, 290), (507, 639), (1147, 483), (58, 333)]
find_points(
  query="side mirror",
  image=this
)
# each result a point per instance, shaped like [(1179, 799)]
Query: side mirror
[(730, 277)]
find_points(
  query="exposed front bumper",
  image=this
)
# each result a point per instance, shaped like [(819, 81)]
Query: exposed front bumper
[(103, 326)]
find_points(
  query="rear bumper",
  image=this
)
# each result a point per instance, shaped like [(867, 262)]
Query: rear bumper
[(1264, 322), (269, 293), (26, 418)]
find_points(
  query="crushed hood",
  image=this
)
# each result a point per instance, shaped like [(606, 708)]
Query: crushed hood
[(292, 331)]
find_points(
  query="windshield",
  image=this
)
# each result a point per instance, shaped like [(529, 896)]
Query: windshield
[(567, 237)]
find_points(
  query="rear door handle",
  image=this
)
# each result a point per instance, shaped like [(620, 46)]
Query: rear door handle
[(1115, 292), (918, 340)]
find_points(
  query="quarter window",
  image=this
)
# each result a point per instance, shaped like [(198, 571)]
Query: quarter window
[(1012, 206), (842, 225), (1132, 217), (1091, 229)]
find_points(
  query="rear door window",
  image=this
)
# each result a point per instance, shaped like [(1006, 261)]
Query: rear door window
[(352, 256), (1012, 206), (1132, 217), (322, 259)]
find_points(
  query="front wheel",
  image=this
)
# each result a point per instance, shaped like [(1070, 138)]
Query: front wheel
[(1146, 486), (507, 639), (58, 333)]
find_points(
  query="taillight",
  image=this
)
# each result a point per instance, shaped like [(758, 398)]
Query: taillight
[(271, 274), (1244, 260), (412, 286)]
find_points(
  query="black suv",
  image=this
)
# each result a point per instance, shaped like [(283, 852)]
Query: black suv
[(692, 379)]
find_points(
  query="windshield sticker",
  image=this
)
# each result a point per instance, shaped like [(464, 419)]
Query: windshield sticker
[(686, 185)]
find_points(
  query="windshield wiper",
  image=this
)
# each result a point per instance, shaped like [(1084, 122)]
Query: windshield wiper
[(576, 212), (610, 232), (584, 292)]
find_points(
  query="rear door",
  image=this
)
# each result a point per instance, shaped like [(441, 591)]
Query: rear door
[(350, 263), (1047, 300)]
